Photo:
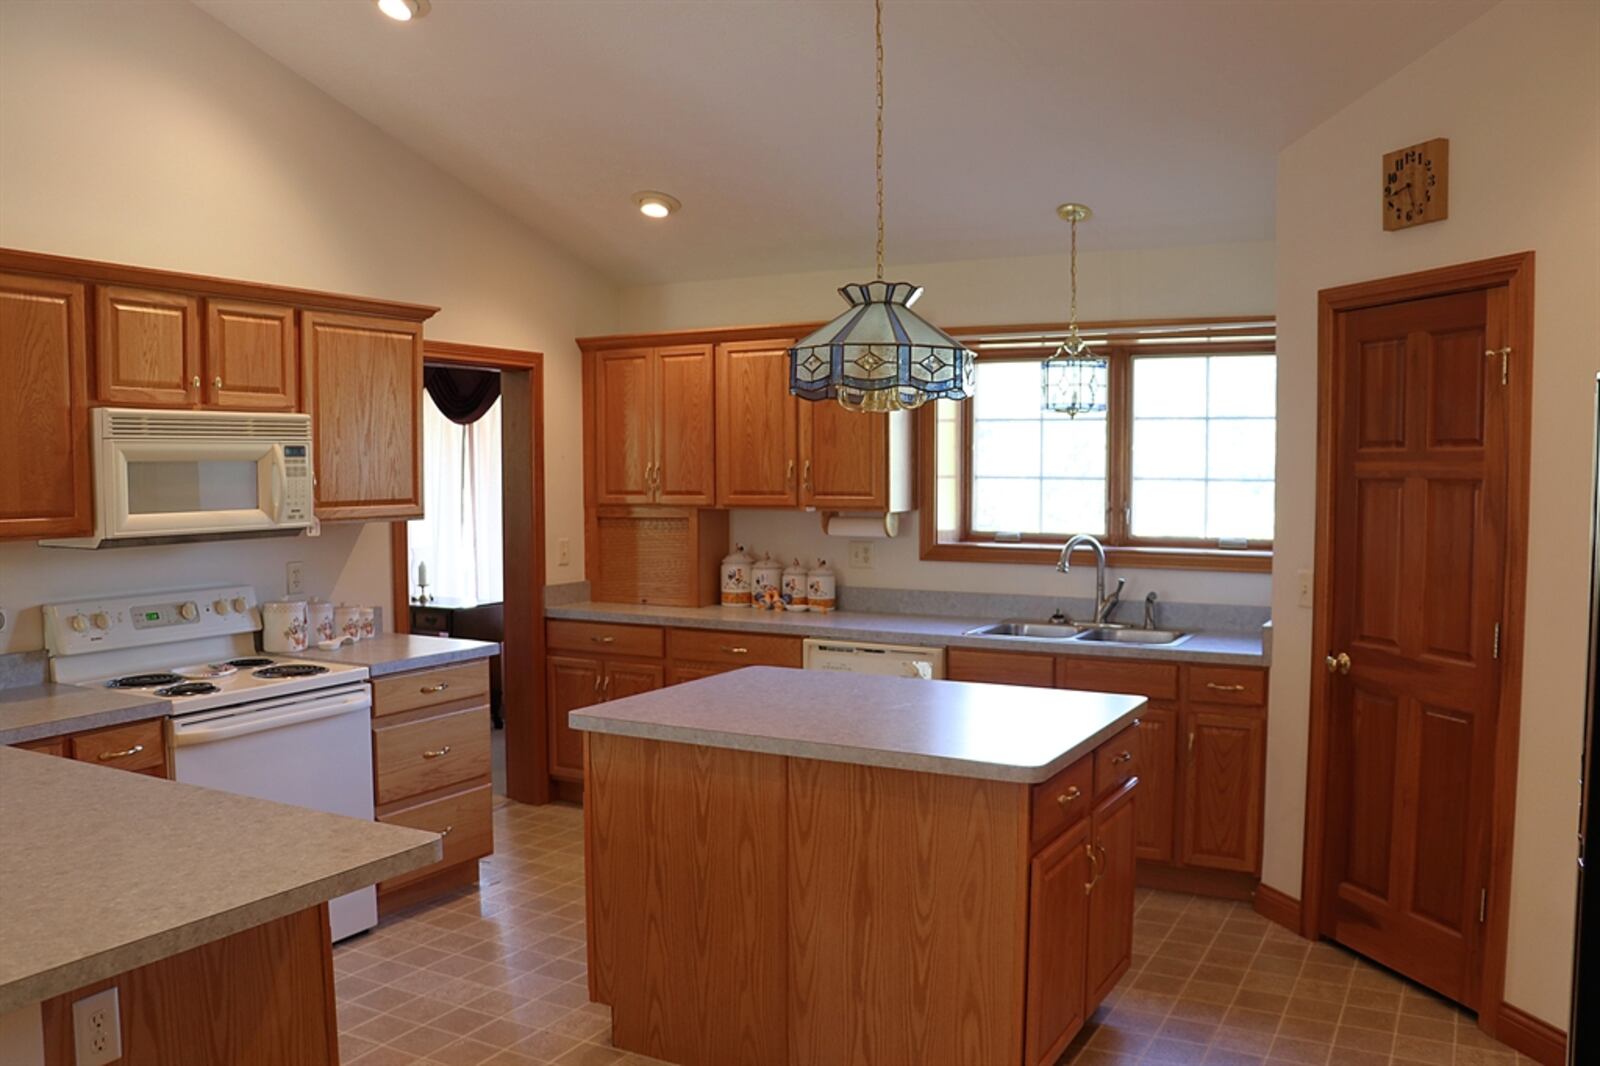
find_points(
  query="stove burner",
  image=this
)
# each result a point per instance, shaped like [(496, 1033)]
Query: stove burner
[(189, 688), (246, 664), (291, 670), (143, 680)]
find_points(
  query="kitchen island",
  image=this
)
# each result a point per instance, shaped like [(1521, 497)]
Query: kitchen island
[(804, 867)]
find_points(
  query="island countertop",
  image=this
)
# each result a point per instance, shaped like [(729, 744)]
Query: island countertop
[(103, 871), (393, 653), (964, 729)]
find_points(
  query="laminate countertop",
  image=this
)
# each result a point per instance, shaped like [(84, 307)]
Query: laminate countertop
[(34, 712), (103, 871), (960, 728), (1207, 647), (395, 653)]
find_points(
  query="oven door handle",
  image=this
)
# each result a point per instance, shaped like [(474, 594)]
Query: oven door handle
[(246, 722)]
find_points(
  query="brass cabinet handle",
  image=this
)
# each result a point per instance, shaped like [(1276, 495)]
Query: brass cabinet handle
[(106, 756), (1191, 743), (446, 831), (806, 477), (216, 382), (1121, 757), (440, 687), (1338, 663), (788, 474), (194, 382), (1094, 861), (596, 686), (1214, 687), (437, 754), (1066, 798), (604, 640), (605, 687), (736, 650)]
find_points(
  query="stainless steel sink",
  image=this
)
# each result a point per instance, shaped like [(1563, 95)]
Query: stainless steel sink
[(1111, 635), (1035, 630)]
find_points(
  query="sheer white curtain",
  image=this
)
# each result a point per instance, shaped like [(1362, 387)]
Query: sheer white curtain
[(459, 537)]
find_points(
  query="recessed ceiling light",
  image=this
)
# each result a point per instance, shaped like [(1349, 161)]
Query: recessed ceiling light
[(404, 10), (656, 204)]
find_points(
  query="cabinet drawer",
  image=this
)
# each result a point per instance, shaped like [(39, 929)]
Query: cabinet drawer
[(678, 673), (418, 755), (739, 649), (141, 747), (1062, 800), (1159, 681), (463, 818), (1116, 760), (999, 667), (46, 746), (398, 693), (592, 637), (1236, 685)]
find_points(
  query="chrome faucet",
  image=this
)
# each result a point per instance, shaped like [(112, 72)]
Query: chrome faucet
[(1104, 604)]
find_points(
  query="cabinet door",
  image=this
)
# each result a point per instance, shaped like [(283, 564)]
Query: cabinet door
[(1158, 782), (44, 409), (686, 470), (1222, 789), (1058, 917), (624, 425), (147, 351), (629, 679), (250, 362), (363, 387), (1113, 834), (571, 683), (844, 457), (757, 460)]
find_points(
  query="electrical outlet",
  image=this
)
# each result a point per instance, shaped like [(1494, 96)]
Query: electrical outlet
[(861, 555), (295, 578), (1304, 578), (563, 552), (96, 1029)]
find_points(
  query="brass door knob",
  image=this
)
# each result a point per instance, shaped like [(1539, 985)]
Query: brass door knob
[(1338, 663)]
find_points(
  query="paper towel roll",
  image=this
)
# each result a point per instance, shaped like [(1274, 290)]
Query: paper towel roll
[(877, 528)]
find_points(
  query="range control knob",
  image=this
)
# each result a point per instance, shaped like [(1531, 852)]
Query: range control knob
[(188, 611), (101, 620), (79, 623), (220, 606), (239, 604)]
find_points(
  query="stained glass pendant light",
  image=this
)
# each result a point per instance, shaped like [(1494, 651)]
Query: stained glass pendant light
[(1074, 377), (879, 355)]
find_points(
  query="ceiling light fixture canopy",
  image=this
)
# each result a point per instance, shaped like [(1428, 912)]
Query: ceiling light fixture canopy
[(1075, 377), (879, 355), (656, 204)]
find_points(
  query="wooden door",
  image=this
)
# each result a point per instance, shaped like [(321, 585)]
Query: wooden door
[(757, 460), (624, 425), (624, 679), (250, 362), (686, 472), (1113, 833), (571, 683), (1418, 569), (1223, 782), (1058, 928), (364, 392), (44, 409), (1158, 781), (147, 350), (844, 458)]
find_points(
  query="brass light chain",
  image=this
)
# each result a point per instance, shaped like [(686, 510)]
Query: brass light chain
[(1072, 315), (877, 29)]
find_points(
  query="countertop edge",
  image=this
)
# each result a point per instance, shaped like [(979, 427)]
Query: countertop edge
[(409, 661), (100, 719)]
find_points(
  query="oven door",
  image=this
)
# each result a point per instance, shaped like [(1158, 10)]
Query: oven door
[(153, 488)]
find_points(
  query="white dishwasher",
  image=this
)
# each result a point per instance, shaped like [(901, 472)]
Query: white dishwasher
[(891, 660)]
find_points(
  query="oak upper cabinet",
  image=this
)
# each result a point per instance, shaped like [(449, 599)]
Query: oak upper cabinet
[(625, 416), (854, 460), (363, 389), (1058, 930), (685, 428), (757, 426), (1224, 780), (44, 400), (251, 357), (653, 426), (147, 348)]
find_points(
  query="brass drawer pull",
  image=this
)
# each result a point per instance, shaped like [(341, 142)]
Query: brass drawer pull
[(1214, 687), (446, 831), (437, 754), (1066, 798), (736, 650), (440, 687), (604, 640), (216, 382), (106, 756), (1121, 757)]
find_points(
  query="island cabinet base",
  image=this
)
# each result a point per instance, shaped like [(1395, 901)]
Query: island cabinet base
[(261, 997), (752, 908)]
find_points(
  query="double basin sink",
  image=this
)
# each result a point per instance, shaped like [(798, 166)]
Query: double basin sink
[(1080, 634)]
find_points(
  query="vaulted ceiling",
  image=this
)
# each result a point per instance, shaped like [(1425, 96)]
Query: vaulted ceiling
[(1166, 116)]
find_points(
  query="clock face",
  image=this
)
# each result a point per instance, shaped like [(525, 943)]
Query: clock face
[(1414, 184)]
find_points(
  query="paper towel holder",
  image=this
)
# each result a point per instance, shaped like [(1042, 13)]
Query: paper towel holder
[(888, 524)]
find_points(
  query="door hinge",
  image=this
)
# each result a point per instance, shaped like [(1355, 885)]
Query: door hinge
[(1483, 905), (1505, 362), (1497, 640)]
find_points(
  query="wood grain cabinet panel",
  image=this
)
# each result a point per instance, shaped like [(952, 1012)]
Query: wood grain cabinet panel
[(1064, 799), (44, 401), (999, 667), (422, 751), (139, 746), (1058, 928), (843, 457), (1111, 900), (1236, 685), (1224, 773), (1116, 761), (624, 425), (1158, 681), (757, 443), (147, 351), (685, 426), (413, 689), (571, 683), (464, 819), (1156, 811), (735, 649), (363, 385), (594, 637), (679, 673), (251, 357)]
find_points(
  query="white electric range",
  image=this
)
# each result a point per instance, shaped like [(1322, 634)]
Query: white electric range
[(259, 724)]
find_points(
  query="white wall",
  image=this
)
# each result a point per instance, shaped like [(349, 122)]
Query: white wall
[(1233, 279), (1518, 94), (150, 134)]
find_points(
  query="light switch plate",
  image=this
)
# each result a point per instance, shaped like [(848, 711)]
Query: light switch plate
[(564, 552), (96, 1029)]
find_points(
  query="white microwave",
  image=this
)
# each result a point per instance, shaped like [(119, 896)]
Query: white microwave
[(163, 474)]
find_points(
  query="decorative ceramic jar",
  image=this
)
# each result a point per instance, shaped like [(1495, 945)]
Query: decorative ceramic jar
[(347, 622), (369, 622), (822, 588), (319, 618), (794, 587), (283, 625), (767, 584), (736, 579)]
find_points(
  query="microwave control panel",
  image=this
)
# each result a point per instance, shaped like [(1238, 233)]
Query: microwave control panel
[(297, 469)]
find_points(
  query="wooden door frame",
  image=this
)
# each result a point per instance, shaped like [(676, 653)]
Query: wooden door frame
[(1510, 279), (523, 695)]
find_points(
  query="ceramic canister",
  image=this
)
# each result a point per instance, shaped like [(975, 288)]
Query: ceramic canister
[(369, 622), (283, 625), (736, 579), (319, 618), (347, 621), (767, 585), (822, 588), (794, 587)]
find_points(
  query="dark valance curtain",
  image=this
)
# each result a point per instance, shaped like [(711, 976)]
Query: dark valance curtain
[(462, 394)]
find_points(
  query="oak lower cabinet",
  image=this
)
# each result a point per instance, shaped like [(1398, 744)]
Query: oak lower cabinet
[(44, 409), (138, 747), (1058, 920), (999, 667), (574, 682), (1111, 892), (1158, 782), (1224, 779), (652, 433)]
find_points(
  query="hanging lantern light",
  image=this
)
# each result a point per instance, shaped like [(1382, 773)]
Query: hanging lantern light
[(879, 355), (1074, 377)]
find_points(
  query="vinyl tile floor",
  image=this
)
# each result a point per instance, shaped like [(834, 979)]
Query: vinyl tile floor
[(496, 976)]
